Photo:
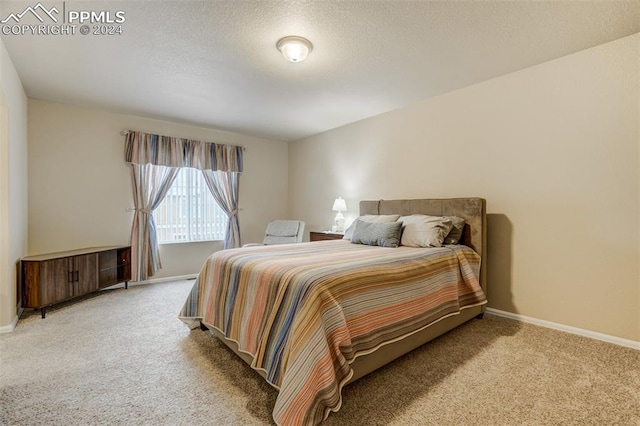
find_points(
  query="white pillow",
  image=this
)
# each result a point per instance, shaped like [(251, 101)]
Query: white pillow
[(424, 231), (370, 218)]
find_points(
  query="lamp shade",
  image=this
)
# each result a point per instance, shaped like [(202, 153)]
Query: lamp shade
[(339, 205)]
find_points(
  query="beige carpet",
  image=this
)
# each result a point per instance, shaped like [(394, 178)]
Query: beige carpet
[(122, 357)]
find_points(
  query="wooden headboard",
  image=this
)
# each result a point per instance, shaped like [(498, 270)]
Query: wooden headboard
[(472, 210)]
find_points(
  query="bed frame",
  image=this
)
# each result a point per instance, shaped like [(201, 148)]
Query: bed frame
[(473, 211)]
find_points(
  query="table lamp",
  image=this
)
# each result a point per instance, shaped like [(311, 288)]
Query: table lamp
[(339, 205)]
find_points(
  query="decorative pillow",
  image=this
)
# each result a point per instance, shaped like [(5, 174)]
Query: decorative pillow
[(371, 218), (456, 230), (377, 234), (424, 231)]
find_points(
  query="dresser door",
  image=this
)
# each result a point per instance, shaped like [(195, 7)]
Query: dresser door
[(85, 269), (56, 280)]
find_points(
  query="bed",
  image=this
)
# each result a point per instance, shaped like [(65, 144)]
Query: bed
[(312, 317)]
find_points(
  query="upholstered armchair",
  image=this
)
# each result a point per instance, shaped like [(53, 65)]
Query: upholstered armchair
[(282, 232)]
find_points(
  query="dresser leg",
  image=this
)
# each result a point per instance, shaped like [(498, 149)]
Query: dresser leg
[(43, 312), (126, 285)]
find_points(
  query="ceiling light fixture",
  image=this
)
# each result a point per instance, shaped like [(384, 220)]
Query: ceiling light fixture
[(294, 49)]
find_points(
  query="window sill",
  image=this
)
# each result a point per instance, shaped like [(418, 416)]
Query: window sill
[(171, 243)]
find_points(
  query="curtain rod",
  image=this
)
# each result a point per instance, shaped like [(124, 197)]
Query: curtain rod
[(126, 132)]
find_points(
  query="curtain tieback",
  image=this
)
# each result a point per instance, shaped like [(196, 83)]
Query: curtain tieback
[(143, 211), (234, 212)]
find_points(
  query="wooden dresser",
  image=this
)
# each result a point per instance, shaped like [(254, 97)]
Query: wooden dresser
[(52, 278), (321, 236)]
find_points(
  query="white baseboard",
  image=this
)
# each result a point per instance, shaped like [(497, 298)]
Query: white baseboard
[(165, 279), (9, 328), (566, 328)]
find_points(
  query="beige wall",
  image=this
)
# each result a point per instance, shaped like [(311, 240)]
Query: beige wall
[(13, 185), (555, 151), (80, 187)]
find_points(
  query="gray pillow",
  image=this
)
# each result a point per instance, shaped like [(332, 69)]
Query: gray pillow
[(377, 234), (456, 231), (371, 218)]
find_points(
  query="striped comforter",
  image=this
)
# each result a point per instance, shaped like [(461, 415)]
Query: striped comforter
[(305, 311)]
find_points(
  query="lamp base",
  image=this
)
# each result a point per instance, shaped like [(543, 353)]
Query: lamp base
[(339, 223)]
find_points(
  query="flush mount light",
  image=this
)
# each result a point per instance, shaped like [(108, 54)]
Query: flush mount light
[(294, 49)]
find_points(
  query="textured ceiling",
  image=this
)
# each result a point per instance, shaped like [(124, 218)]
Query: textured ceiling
[(215, 64)]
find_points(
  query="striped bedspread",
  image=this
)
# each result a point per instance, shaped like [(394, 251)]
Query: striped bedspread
[(305, 311)]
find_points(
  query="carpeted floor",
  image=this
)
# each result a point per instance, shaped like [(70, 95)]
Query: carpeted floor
[(123, 357)]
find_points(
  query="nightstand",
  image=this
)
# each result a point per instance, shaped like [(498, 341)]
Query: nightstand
[(322, 236)]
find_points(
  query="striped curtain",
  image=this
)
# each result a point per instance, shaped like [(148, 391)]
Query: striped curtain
[(145, 148), (155, 161), (150, 185), (224, 188)]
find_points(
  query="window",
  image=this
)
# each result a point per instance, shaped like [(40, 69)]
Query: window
[(189, 212)]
